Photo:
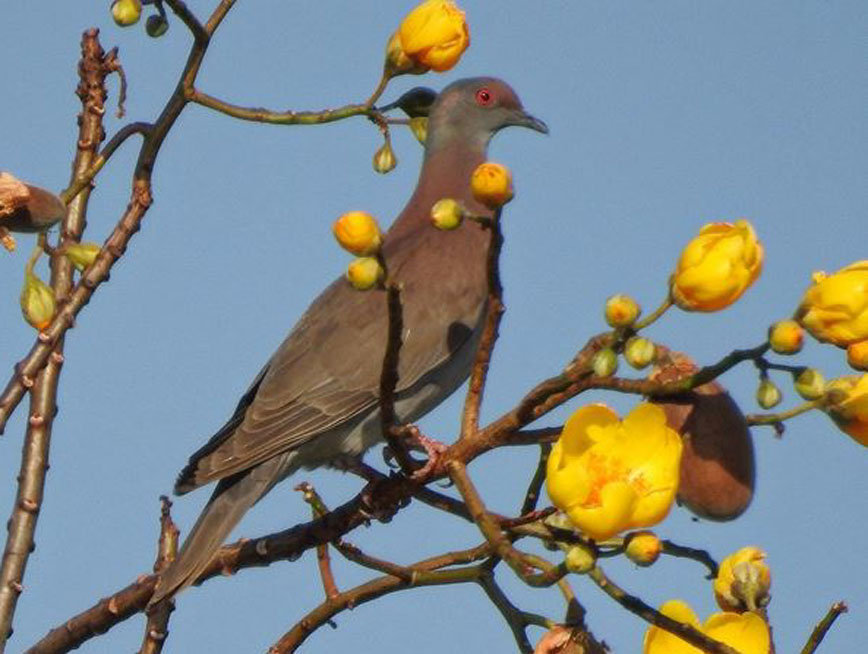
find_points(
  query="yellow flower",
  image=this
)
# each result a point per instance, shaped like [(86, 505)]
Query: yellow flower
[(434, 35), (447, 214), (743, 581), (358, 233), (126, 12), (37, 300), (621, 311), (717, 266), (857, 355), (643, 547), (364, 273), (745, 632), (786, 337), (835, 308), (491, 184), (610, 475), (850, 412)]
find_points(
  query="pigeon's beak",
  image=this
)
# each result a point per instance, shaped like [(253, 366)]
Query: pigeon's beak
[(524, 119)]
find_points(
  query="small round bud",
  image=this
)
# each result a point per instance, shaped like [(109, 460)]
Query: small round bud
[(767, 394), (639, 352), (447, 214), (643, 547), (786, 337), (38, 304), (126, 12), (491, 184), (419, 127), (364, 273), (384, 159), (82, 255), (605, 362), (580, 559), (358, 233), (810, 384), (621, 311), (156, 25), (857, 355)]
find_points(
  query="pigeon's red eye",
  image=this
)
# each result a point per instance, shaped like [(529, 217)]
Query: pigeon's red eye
[(484, 97)]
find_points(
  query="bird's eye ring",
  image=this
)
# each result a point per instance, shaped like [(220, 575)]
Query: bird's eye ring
[(484, 97)]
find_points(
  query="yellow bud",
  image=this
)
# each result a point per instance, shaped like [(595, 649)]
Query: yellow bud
[(126, 12), (434, 35), (639, 352), (743, 581), (857, 355), (580, 559), (643, 547), (605, 362), (786, 337), (491, 184), (621, 311), (384, 159), (156, 26), (419, 127), (7, 240), (358, 233), (364, 273), (82, 255), (447, 214), (767, 394), (37, 300), (810, 384)]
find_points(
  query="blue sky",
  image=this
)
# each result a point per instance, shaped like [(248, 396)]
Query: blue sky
[(663, 116)]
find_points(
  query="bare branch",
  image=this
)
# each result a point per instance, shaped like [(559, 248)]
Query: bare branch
[(822, 628)]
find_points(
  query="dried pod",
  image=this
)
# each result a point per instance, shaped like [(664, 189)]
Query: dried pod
[(26, 208), (717, 463)]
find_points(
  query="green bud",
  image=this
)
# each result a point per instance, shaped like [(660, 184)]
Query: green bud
[(38, 305), (767, 394), (447, 214), (580, 559), (419, 127), (810, 384), (82, 255), (126, 12), (621, 311), (605, 362), (384, 159), (639, 352), (156, 25)]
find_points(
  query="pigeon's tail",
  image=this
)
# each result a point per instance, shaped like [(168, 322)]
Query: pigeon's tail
[(230, 501)]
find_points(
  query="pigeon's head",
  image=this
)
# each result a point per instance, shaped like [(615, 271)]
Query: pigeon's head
[(474, 109)]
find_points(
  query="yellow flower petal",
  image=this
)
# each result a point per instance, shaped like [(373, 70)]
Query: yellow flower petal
[(746, 632)]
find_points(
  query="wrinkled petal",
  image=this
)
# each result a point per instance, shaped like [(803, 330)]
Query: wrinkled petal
[(659, 641)]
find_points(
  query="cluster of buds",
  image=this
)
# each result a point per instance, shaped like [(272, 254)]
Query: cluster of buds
[(357, 232), (431, 37)]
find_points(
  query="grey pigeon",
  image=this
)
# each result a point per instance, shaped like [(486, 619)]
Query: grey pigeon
[(316, 400)]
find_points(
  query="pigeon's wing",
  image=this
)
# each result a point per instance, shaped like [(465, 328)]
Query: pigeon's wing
[(327, 372)]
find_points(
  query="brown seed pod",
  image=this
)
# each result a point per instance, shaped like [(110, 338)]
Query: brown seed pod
[(27, 208), (717, 463)]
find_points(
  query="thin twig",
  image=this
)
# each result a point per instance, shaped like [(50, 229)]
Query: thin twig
[(43, 398), (189, 19), (262, 115), (157, 624), (517, 619), (323, 560), (653, 616), (531, 497), (819, 632), (493, 315)]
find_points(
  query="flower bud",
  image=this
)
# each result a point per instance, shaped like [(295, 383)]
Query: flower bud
[(156, 25), (419, 127), (639, 352), (82, 255), (384, 159), (810, 384), (767, 394), (621, 311), (835, 308), (847, 405), (364, 273), (358, 233), (643, 547), (605, 362), (38, 304), (580, 559), (126, 12), (447, 214), (786, 337), (743, 581), (434, 35), (491, 184), (857, 355)]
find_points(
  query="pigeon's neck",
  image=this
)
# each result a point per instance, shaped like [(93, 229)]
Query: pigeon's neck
[(446, 172)]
